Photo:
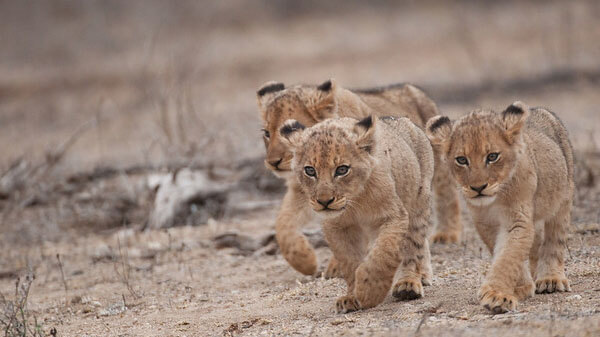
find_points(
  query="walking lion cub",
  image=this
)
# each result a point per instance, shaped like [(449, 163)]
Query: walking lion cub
[(370, 183), (310, 104), (515, 170)]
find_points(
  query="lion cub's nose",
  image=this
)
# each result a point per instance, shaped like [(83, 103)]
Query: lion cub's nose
[(325, 203), (479, 189), (275, 163)]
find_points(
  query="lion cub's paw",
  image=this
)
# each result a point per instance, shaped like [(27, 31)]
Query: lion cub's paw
[(551, 284), (426, 280), (496, 301), (408, 289), (445, 237), (346, 304), (333, 269), (525, 290), (303, 259)]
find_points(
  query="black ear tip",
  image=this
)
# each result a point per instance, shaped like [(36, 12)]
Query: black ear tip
[(274, 87), (438, 123), (325, 86), (514, 110), (288, 128), (366, 122)]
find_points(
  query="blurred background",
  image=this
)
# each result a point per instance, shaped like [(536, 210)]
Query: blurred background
[(97, 89)]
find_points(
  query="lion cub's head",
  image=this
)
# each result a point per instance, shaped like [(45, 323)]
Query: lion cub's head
[(332, 160), (306, 104), (482, 149)]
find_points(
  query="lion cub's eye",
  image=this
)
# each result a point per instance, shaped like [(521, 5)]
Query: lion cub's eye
[(267, 134), (492, 157), (342, 170), (462, 160), (310, 171)]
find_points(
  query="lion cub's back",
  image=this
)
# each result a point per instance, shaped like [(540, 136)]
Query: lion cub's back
[(403, 130), (549, 148), (544, 122), (401, 100)]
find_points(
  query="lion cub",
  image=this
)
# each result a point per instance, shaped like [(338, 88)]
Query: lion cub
[(310, 104), (515, 169), (370, 183)]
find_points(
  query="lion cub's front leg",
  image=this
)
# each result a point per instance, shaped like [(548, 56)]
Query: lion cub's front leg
[(349, 246), (294, 246), (509, 279), (368, 281)]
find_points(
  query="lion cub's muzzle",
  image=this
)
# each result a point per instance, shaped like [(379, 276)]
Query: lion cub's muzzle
[(480, 194), (280, 167), (332, 204)]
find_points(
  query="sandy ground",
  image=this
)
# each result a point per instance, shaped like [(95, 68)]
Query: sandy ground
[(153, 84), (176, 283)]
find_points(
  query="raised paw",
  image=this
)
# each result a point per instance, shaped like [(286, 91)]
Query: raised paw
[(551, 284), (445, 237), (408, 289), (346, 304), (496, 301), (333, 269)]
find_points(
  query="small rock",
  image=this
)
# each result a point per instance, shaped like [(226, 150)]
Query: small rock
[(155, 245), (574, 297), (113, 309), (103, 252)]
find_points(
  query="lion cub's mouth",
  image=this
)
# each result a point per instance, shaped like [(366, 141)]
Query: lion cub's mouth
[(328, 213), (481, 199), (331, 210)]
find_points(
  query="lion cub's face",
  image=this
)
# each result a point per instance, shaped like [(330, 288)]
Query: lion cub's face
[(306, 104), (332, 160), (482, 148)]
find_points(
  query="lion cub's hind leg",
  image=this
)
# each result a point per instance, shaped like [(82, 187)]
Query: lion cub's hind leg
[(333, 269), (425, 268), (550, 270), (415, 267), (447, 205)]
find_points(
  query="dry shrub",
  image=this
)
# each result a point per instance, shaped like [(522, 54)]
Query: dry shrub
[(15, 318)]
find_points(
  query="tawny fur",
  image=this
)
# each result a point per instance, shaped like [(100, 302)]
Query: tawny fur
[(312, 104), (522, 213), (375, 216)]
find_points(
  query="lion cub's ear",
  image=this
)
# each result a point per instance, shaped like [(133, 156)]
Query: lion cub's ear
[(514, 118), (365, 130), (291, 133), (266, 91), (324, 105), (438, 130)]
